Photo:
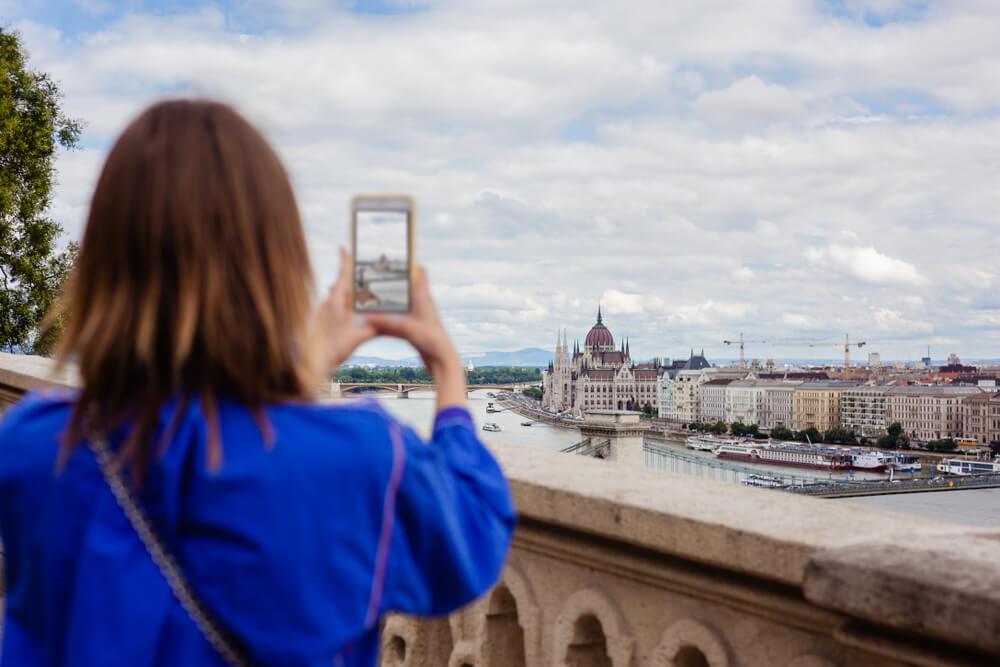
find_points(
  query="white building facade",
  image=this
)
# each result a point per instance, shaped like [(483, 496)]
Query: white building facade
[(928, 412), (863, 410), (743, 402)]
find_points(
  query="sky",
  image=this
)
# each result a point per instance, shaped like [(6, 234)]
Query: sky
[(790, 169), (380, 233)]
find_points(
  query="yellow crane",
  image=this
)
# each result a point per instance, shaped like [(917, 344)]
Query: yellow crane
[(847, 349), (741, 341)]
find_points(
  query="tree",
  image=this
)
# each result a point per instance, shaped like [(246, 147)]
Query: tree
[(782, 433), (533, 392), (894, 438), (810, 434), (32, 268), (943, 445), (840, 435)]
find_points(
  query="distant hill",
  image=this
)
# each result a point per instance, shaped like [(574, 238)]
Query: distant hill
[(529, 357)]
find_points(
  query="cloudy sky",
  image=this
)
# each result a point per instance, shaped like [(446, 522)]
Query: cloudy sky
[(791, 169)]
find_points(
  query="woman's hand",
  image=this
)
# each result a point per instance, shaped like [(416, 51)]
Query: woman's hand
[(423, 329), (336, 331)]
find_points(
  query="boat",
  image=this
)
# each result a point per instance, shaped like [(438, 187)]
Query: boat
[(786, 454), (764, 482), (871, 460), (708, 443), (491, 394), (492, 410), (965, 467), (526, 423), (906, 463), (490, 426)]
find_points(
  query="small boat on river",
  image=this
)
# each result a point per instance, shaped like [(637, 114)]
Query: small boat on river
[(490, 426)]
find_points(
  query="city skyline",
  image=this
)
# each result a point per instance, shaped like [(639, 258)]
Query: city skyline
[(785, 169)]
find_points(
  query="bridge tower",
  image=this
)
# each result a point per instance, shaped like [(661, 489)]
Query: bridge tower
[(622, 429)]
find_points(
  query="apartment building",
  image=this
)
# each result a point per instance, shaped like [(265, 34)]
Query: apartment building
[(777, 406), (687, 390), (981, 417), (863, 410), (743, 399), (817, 404), (713, 400), (665, 403), (929, 412)]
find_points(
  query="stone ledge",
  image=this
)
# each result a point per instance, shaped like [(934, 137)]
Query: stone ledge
[(21, 373), (754, 531), (942, 586)]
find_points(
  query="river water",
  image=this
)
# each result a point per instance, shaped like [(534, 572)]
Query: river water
[(980, 507)]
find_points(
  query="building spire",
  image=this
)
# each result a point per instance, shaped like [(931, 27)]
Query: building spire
[(627, 352), (599, 313)]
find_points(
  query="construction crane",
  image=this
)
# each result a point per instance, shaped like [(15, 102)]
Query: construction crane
[(743, 361), (847, 349)]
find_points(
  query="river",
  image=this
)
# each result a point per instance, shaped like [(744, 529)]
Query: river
[(980, 507)]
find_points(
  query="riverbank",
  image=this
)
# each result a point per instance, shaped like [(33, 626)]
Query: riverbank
[(520, 408)]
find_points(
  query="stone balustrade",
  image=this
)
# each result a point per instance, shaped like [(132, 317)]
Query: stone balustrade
[(618, 566)]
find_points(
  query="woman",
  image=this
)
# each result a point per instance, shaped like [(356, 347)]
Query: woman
[(294, 527)]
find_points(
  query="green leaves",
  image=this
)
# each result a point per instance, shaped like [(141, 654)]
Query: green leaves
[(32, 268)]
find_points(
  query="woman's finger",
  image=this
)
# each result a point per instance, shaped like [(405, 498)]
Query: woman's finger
[(343, 281), (395, 326)]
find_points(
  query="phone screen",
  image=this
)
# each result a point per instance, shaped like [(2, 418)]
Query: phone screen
[(382, 227)]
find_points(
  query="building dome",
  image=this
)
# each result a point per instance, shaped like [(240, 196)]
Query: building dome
[(599, 335)]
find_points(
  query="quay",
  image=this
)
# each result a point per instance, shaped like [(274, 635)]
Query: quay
[(616, 565), (885, 487)]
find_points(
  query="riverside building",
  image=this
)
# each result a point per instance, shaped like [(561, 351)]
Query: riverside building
[(597, 375), (817, 404), (981, 418), (928, 412), (767, 403), (863, 410)]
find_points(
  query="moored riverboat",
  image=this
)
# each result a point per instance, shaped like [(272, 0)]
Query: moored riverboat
[(708, 443), (871, 460), (966, 467), (786, 454), (764, 482)]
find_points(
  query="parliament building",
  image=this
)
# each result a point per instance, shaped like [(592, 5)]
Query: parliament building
[(597, 376)]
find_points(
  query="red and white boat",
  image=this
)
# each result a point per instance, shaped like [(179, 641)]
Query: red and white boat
[(870, 460), (795, 455)]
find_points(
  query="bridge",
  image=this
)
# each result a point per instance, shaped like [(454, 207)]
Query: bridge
[(402, 390), (617, 565)]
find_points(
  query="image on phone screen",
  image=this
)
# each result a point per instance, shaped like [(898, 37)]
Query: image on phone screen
[(381, 259)]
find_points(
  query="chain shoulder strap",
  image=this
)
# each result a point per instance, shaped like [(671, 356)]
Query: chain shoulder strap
[(161, 557)]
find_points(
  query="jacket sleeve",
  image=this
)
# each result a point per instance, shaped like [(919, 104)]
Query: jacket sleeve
[(453, 519)]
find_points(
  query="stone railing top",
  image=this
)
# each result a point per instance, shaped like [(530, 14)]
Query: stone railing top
[(22, 372), (899, 570)]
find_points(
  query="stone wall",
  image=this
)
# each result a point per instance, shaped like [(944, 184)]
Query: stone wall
[(616, 566), (649, 569)]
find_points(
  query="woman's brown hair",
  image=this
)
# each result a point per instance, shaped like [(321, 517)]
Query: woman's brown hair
[(192, 280)]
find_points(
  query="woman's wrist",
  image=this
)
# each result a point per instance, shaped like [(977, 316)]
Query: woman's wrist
[(449, 376)]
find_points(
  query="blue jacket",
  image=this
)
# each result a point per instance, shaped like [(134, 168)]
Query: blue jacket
[(297, 547)]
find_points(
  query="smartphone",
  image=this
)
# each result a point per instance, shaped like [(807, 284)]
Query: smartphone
[(382, 243)]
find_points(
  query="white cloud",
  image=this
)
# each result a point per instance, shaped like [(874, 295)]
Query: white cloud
[(622, 303), (865, 263), (749, 99), (567, 153)]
